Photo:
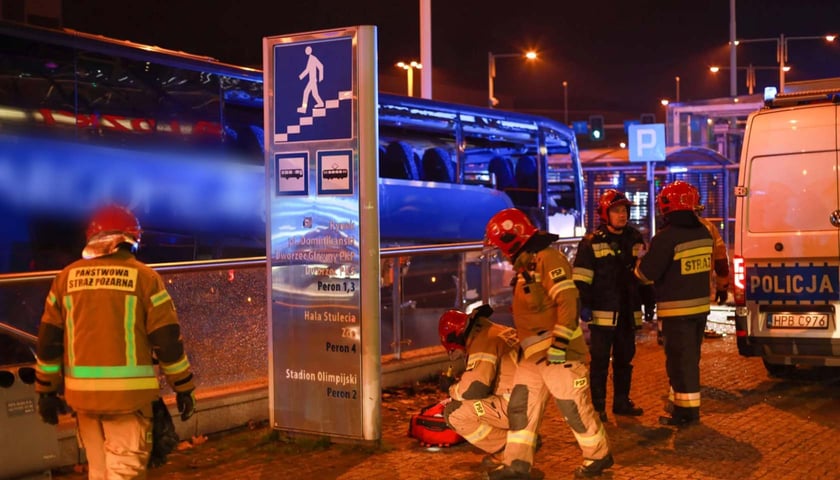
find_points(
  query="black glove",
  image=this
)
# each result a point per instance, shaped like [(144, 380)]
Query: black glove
[(586, 314), (49, 406), (445, 381), (649, 309), (720, 296), (186, 404)]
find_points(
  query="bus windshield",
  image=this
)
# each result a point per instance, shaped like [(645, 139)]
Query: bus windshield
[(179, 139)]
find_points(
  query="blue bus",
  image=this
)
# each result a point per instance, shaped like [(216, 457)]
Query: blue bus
[(179, 138)]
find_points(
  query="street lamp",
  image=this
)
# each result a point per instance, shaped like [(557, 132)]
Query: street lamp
[(750, 73), (782, 50), (492, 101), (677, 80), (409, 68), (565, 102)]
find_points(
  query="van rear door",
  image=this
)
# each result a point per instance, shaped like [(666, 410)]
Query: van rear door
[(790, 247)]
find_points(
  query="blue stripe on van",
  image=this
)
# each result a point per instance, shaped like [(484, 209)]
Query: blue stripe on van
[(793, 283)]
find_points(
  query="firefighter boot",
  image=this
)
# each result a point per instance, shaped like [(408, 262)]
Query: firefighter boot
[(622, 405), (682, 417), (506, 472), (594, 468), (492, 460), (625, 406)]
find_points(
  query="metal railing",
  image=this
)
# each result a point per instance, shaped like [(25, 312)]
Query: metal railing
[(196, 287)]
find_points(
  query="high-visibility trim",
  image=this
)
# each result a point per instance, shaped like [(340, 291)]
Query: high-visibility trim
[(71, 330), (47, 368), (51, 299), (175, 368), (687, 400), (482, 357), (604, 318), (128, 323), (702, 243), (561, 286), (565, 332), (479, 433), (693, 252), (602, 250), (522, 437), (160, 298), (637, 317), (131, 371), (683, 308), (584, 275), (111, 384), (590, 440), (538, 346)]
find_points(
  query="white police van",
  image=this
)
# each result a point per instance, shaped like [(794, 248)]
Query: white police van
[(786, 260)]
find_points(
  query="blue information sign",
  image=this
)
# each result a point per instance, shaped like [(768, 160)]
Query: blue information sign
[(581, 127), (647, 142), (314, 87)]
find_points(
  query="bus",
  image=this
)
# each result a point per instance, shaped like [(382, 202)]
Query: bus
[(179, 139)]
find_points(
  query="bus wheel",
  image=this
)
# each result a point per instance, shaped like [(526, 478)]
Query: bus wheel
[(778, 371)]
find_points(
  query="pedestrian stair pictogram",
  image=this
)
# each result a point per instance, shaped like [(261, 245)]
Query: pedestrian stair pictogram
[(309, 120)]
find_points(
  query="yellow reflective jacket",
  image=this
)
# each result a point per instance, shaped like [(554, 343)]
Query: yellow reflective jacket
[(103, 321)]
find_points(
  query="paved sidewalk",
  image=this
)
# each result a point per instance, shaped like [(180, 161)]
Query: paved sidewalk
[(753, 427)]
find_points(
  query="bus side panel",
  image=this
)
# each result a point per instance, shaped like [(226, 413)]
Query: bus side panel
[(412, 212)]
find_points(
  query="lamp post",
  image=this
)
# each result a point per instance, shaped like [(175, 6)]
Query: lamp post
[(782, 50), (750, 73), (492, 101), (409, 68), (565, 102), (677, 80)]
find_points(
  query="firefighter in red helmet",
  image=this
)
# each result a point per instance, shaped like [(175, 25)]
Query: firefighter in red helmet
[(611, 300), (478, 409), (107, 316), (678, 263), (552, 350), (720, 256)]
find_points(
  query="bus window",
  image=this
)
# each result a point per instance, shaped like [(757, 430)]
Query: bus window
[(179, 139)]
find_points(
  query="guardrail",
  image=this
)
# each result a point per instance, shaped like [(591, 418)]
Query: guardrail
[(471, 253)]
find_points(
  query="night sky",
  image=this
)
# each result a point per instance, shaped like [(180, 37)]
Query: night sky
[(620, 57)]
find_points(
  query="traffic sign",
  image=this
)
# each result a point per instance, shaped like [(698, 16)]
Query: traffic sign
[(647, 142)]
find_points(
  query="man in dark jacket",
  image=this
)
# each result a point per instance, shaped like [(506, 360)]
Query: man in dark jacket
[(611, 299), (679, 262)]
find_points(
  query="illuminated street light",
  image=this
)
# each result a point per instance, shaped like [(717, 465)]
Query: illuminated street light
[(492, 101), (782, 50), (565, 102), (409, 68), (750, 73), (664, 102)]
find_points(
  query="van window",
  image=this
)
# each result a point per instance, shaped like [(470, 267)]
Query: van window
[(790, 193)]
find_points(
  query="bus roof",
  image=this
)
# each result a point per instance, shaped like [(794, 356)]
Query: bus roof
[(482, 118)]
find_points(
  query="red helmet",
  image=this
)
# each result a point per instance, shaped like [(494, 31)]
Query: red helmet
[(451, 328), (113, 219), (508, 230), (608, 199), (677, 196)]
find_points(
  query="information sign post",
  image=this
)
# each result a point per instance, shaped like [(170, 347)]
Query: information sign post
[(323, 232)]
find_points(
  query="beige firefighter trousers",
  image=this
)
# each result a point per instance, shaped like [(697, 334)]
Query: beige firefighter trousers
[(483, 423), (568, 383), (117, 446)]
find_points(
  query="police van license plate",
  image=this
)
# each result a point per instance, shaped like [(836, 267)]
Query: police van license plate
[(797, 320)]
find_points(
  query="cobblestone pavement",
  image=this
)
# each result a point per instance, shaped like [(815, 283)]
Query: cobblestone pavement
[(753, 427)]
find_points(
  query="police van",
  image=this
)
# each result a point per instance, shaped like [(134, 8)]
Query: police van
[(787, 230)]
